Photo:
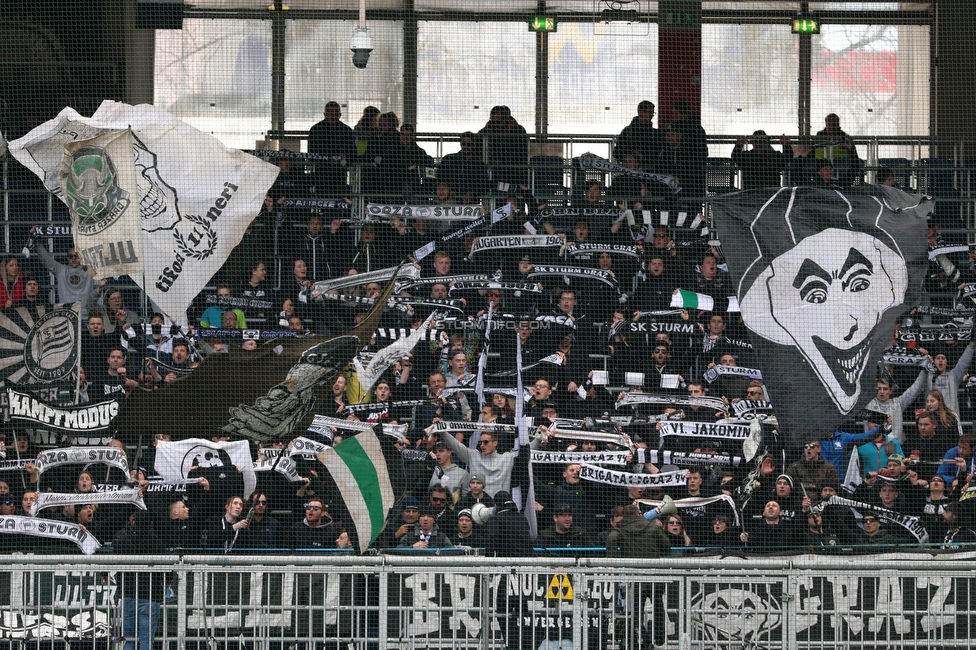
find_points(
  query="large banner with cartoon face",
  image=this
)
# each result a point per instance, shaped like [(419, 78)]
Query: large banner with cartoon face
[(822, 276)]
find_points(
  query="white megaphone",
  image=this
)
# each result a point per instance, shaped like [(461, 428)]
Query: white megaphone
[(481, 513)]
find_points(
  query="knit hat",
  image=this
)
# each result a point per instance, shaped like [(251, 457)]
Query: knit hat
[(503, 497), (786, 477), (411, 502)]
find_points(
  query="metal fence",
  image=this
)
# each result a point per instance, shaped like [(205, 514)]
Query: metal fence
[(321, 602)]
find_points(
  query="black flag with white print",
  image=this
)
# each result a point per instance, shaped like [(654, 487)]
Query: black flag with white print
[(822, 276)]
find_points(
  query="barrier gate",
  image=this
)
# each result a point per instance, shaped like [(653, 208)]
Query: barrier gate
[(327, 602)]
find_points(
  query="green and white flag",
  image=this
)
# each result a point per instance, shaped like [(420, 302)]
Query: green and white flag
[(690, 300), (361, 467)]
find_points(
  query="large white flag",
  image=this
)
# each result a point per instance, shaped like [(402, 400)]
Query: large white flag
[(174, 460), (196, 196)]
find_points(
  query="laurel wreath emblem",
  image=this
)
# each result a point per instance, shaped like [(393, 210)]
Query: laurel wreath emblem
[(209, 244)]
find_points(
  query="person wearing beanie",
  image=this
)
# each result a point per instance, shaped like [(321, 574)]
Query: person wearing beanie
[(791, 502), (468, 534), (958, 531), (396, 530), (476, 494), (425, 533)]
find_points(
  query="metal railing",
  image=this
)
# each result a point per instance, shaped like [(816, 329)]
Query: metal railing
[(895, 601)]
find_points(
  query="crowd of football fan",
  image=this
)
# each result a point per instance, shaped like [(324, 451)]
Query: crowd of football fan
[(582, 346)]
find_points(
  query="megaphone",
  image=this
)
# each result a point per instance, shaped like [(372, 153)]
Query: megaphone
[(481, 513), (667, 507)]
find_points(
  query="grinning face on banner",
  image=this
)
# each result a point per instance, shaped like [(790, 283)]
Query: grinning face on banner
[(158, 203), (825, 296)]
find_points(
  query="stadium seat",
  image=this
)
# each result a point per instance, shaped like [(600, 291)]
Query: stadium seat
[(935, 175)]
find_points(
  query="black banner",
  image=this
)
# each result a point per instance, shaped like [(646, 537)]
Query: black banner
[(822, 277), (86, 418), (576, 273), (241, 303)]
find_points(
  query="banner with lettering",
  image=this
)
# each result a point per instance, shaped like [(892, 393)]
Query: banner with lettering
[(628, 479), (705, 430), (83, 418), (502, 242), (194, 197), (111, 456), (56, 499), (429, 212), (51, 529)]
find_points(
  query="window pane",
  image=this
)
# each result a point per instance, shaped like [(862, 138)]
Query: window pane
[(749, 80), (216, 76), (496, 6), (771, 5), (598, 74), (318, 69), (463, 69), (875, 77)]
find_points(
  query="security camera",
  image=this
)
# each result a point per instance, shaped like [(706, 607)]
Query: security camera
[(361, 45)]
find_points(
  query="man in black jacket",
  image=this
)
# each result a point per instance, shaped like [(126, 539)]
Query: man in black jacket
[(317, 529), (330, 137), (508, 535), (640, 136)]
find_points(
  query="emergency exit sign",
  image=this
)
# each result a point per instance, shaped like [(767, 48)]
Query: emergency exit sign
[(542, 24), (806, 25)]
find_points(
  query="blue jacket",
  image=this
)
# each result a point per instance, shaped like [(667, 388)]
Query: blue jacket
[(832, 448)]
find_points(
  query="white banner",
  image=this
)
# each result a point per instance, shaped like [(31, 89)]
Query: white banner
[(715, 372), (112, 456), (635, 399), (174, 460), (613, 477), (283, 465), (14, 465), (580, 435), (196, 196), (302, 446), (18, 525), (56, 500), (502, 242), (98, 183), (467, 427), (694, 502), (589, 457), (705, 430)]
